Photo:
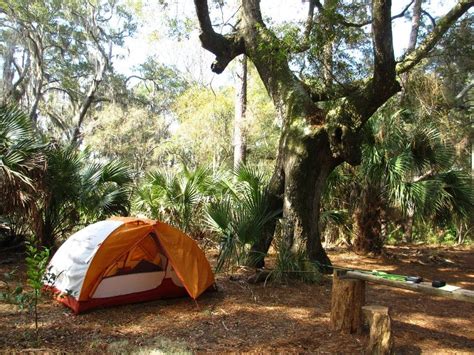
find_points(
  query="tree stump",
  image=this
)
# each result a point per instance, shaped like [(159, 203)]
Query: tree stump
[(348, 297), (380, 341)]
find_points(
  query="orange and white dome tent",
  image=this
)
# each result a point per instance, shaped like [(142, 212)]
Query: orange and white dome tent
[(126, 260)]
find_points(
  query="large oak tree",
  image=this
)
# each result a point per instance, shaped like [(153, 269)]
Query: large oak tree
[(322, 124)]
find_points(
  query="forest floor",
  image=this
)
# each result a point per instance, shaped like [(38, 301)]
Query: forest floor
[(282, 318)]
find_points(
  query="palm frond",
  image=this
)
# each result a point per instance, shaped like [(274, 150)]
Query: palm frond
[(242, 213), (22, 160)]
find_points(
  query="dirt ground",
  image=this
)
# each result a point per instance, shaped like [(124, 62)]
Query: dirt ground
[(276, 318)]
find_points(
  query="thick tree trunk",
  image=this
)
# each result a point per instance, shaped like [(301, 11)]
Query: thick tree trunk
[(368, 225), (240, 131), (296, 187), (314, 139), (305, 180)]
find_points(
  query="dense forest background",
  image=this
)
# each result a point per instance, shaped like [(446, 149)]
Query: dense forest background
[(82, 138)]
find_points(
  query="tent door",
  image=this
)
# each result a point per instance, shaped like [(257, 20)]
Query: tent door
[(141, 269), (127, 284)]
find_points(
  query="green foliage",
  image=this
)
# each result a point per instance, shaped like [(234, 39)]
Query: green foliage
[(36, 272), (78, 190), (157, 87), (411, 168), (66, 48), (417, 169), (294, 265), (262, 124), (21, 159), (180, 28), (177, 198), (202, 112), (344, 51), (52, 187), (36, 263), (133, 135), (240, 215)]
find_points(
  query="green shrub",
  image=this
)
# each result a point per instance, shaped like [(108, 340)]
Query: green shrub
[(37, 276), (294, 265)]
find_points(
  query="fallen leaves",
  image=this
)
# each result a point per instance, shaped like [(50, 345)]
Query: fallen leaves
[(287, 318)]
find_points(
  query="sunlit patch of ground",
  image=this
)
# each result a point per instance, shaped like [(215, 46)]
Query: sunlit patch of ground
[(262, 318)]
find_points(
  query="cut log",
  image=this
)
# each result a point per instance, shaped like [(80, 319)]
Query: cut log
[(348, 297), (380, 340)]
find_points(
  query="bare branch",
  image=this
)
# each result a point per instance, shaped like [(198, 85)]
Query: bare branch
[(55, 88), (368, 22), (433, 38), (142, 78), (227, 22), (433, 21), (21, 73)]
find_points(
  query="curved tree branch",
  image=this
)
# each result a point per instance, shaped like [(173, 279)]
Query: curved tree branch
[(225, 48), (21, 74), (433, 21), (432, 39), (56, 88)]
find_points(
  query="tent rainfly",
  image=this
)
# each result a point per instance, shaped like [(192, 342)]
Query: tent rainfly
[(127, 260)]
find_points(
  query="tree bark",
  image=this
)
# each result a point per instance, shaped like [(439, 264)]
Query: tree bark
[(305, 180), (327, 54), (36, 48), (102, 63), (347, 299), (380, 338), (368, 222), (8, 72), (240, 129), (409, 224), (415, 26)]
